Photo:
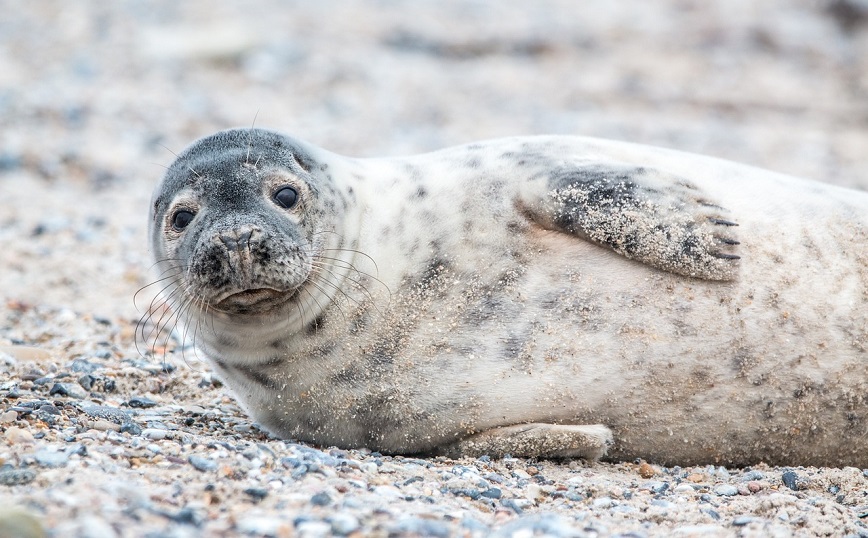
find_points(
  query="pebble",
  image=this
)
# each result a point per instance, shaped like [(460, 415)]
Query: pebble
[(26, 353), (16, 477), (726, 490), (71, 390), (684, 489), (791, 480), (343, 523), (19, 523), (131, 428), (313, 529), (421, 527), (603, 502), (141, 402), (51, 458), (19, 436), (154, 434), (321, 499), (741, 521), (492, 493), (8, 416), (202, 464), (257, 493), (264, 526)]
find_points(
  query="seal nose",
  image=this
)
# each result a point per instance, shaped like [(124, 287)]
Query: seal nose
[(237, 240)]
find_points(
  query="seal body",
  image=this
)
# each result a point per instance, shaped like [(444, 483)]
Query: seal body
[(543, 296)]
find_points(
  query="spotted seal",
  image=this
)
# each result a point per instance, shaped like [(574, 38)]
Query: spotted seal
[(541, 296)]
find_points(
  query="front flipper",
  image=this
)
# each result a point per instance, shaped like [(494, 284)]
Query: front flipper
[(641, 213), (535, 440)]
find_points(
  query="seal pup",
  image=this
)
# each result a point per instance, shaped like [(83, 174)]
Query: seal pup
[(544, 297)]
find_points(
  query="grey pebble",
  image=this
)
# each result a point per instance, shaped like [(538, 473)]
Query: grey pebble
[(538, 525), (658, 487), (131, 428), (84, 367), (71, 390), (492, 493), (109, 413), (421, 527), (202, 464), (154, 434), (791, 480), (512, 505), (711, 513), (141, 402), (752, 475), (726, 490), (51, 458), (741, 521), (321, 499), (257, 493), (343, 523), (16, 477)]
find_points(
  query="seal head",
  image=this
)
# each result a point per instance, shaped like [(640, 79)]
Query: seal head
[(236, 221)]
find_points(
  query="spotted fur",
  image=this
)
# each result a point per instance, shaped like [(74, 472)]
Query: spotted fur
[(546, 296)]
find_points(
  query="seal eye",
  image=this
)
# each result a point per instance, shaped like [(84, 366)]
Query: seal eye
[(181, 219), (286, 197)]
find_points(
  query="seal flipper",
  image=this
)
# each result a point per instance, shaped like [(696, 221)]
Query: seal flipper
[(535, 440), (641, 213)]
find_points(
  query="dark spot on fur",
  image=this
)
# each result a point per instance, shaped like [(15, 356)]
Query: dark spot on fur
[(473, 162), (316, 325), (255, 375), (420, 193)]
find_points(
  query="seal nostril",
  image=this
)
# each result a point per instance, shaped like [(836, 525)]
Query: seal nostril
[(236, 240)]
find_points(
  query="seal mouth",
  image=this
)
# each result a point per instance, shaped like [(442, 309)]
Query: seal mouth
[(254, 300)]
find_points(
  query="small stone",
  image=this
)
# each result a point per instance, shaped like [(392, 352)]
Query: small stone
[(752, 475), (684, 489), (726, 490), (741, 521), (26, 353), (19, 523), (791, 480), (16, 477), (417, 526), (86, 381), (753, 486), (603, 502), (154, 434), (19, 436), (141, 402), (492, 493), (343, 523), (84, 367), (321, 499), (70, 390), (257, 493), (202, 464), (646, 470), (696, 478), (313, 528), (51, 458), (131, 428), (264, 526), (8, 416)]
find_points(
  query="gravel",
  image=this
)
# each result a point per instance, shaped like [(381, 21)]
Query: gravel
[(101, 437)]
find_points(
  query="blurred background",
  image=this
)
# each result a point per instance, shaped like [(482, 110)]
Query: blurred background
[(95, 96)]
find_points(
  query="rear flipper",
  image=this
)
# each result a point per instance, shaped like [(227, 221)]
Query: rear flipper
[(536, 440)]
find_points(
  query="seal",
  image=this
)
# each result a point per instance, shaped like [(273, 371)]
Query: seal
[(539, 296)]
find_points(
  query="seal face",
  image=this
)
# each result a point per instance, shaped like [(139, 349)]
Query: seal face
[(544, 296)]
